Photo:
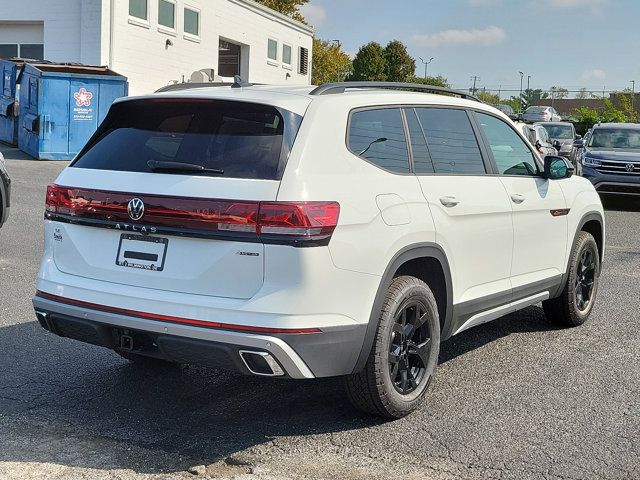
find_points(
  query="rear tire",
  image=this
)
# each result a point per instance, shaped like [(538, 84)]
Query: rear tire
[(404, 356), (574, 305)]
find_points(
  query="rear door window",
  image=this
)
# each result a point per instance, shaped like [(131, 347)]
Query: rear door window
[(378, 136), (232, 139), (451, 141)]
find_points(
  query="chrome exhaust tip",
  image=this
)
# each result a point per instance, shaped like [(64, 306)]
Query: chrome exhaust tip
[(261, 363)]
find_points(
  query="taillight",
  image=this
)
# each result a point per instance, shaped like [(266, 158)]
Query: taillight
[(298, 223), (305, 219)]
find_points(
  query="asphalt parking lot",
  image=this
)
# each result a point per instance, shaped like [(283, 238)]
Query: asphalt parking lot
[(515, 399)]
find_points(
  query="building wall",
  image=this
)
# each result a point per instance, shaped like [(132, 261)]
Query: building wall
[(79, 31), (140, 49), (66, 25)]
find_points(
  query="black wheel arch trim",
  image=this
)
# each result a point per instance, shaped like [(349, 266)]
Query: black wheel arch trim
[(588, 217), (411, 252)]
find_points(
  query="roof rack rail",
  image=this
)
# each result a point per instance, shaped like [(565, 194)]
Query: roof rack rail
[(176, 87), (341, 87)]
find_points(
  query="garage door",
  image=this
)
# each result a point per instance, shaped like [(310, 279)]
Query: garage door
[(22, 39)]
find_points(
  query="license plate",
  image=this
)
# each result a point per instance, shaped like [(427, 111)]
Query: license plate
[(143, 252)]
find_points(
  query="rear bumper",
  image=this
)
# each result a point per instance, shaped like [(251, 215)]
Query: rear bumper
[(612, 184), (332, 351)]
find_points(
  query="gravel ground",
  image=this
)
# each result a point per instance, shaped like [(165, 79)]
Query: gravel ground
[(515, 399)]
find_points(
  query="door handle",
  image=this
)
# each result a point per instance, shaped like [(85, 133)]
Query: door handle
[(517, 198), (449, 201)]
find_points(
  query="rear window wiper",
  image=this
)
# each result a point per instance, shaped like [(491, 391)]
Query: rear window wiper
[(157, 165)]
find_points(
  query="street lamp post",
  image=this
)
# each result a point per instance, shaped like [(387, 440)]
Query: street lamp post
[(426, 64), (520, 97), (633, 96)]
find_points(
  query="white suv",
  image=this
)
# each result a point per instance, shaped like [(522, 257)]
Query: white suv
[(344, 230)]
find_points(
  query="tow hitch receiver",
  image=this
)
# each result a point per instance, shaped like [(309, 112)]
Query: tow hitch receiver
[(126, 342)]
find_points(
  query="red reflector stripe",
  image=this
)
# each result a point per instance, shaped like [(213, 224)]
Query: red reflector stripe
[(179, 320)]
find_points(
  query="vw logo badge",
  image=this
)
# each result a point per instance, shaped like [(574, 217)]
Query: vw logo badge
[(135, 209), (630, 167)]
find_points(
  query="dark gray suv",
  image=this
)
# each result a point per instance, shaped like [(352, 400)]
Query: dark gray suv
[(610, 158)]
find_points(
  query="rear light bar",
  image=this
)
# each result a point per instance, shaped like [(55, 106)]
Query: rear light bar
[(298, 223)]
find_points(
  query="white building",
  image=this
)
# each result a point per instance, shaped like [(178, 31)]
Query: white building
[(158, 42)]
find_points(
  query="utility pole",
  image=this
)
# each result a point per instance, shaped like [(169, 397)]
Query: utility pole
[(633, 95), (520, 97), (529, 82), (499, 91), (426, 64), (475, 78)]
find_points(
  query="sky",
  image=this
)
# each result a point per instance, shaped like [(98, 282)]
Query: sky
[(565, 43)]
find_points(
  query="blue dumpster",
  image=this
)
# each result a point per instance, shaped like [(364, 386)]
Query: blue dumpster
[(9, 73), (61, 106)]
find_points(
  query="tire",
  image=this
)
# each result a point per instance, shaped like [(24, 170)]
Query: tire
[(381, 388), (574, 305)]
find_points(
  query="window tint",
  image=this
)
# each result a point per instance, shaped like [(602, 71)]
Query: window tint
[(8, 50), (191, 22), (421, 159), (245, 140), (167, 14), (272, 49), (510, 152), (378, 136), (286, 54), (138, 9), (451, 141)]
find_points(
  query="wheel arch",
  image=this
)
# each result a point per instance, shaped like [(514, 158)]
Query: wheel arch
[(426, 261)]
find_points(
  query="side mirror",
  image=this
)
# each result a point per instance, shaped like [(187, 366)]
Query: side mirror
[(578, 143), (557, 144), (578, 137), (557, 168)]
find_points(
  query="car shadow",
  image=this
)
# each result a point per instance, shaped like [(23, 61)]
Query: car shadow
[(56, 393), (620, 203)]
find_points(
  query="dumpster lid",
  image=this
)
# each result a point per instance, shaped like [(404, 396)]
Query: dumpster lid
[(73, 69)]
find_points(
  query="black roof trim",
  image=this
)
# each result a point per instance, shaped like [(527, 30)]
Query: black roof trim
[(341, 87)]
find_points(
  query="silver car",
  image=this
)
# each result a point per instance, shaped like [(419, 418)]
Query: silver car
[(538, 137), (540, 113)]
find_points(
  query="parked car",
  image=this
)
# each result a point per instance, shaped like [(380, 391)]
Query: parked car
[(507, 110), (342, 230), (561, 135), (5, 192), (539, 138), (541, 114), (610, 158)]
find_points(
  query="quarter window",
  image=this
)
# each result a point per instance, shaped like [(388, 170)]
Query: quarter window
[(138, 9), (167, 14), (272, 49), (511, 153), (378, 135), (191, 22), (451, 141)]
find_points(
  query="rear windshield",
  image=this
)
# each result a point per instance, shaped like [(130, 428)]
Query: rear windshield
[(563, 132), (229, 139), (535, 109)]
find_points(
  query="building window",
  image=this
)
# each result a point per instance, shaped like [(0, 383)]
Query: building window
[(8, 50), (167, 14), (34, 51), (192, 22), (303, 64), (272, 50), (138, 9), (286, 54)]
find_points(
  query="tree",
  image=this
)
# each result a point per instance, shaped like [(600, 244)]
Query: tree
[(438, 81), (559, 93), (330, 63), (290, 8), (488, 97), (369, 63), (530, 95), (399, 64)]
